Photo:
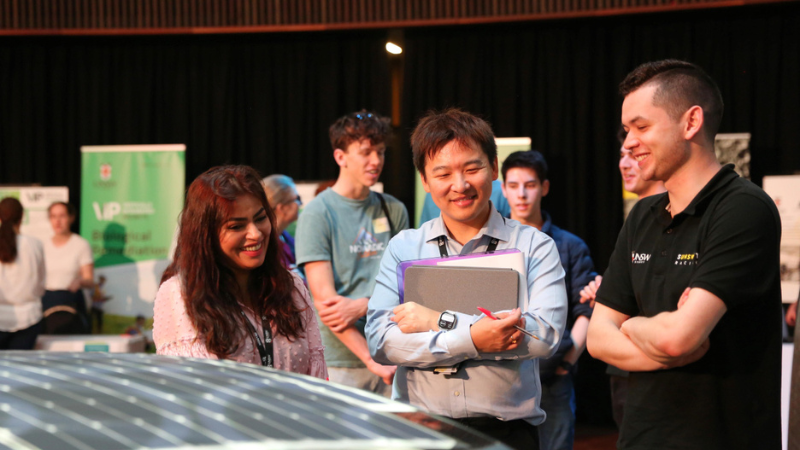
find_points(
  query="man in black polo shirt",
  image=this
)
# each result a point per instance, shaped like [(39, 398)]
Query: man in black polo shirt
[(690, 303)]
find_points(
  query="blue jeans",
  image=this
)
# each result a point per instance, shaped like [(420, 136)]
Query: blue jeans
[(558, 402)]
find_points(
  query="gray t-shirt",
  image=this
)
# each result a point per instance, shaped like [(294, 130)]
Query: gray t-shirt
[(352, 235)]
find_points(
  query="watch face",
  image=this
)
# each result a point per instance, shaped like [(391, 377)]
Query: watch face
[(447, 320)]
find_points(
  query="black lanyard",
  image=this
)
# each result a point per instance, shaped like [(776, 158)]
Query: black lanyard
[(386, 213), (443, 246), (264, 347)]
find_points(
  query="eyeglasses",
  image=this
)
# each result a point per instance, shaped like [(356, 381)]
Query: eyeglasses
[(297, 200), (364, 116)]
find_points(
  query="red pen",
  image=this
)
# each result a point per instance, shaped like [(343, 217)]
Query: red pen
[(493, 317)]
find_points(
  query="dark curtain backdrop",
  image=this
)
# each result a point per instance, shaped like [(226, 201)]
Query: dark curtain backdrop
[(264, 100)]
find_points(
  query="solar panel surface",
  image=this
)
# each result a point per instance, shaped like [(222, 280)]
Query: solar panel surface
[(107, 401)]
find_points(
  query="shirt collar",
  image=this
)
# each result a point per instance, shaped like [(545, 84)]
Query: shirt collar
[(724, 176), (548, 223), (494, 227)]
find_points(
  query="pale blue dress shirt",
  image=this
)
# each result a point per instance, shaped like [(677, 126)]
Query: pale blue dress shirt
[(503, 385)]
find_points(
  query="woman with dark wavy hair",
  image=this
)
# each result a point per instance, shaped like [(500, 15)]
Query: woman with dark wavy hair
[(22, 275), (227, 295)]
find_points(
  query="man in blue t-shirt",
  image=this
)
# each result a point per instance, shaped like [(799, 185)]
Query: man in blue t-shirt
[(341, 236)]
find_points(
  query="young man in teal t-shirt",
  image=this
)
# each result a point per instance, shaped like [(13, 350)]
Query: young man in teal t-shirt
[(341, 237)]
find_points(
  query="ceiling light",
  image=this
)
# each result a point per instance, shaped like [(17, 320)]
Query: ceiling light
[(393, 48)]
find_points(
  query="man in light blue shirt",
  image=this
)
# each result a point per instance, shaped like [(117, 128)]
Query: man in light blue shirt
[(495, 387)]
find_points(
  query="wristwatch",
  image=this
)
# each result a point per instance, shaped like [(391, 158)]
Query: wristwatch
[(447, 320), (566, 365)]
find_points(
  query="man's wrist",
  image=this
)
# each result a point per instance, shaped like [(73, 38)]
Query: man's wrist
[(363, 305)]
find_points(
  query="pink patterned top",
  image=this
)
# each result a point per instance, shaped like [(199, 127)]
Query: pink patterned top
[(175, 335)]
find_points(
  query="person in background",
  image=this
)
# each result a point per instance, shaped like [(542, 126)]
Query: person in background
[(282, 195), (99, 299), (138, 328), (227, 295), (22, 281), (632, 181), (341, 236), (525, 183), (70, 268)]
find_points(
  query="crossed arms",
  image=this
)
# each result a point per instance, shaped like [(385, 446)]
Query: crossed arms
[(666, 340)]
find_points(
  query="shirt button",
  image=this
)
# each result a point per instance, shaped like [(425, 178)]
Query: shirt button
[(664, 253), (669, 230), (457, 393)]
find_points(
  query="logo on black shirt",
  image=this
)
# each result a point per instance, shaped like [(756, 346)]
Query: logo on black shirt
[(687, 259), (640, 258)]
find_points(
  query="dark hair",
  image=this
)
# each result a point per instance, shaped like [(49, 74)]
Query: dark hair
[(10, 216), (359, 125), (209, 287), (70, 209), (680, 85), (437, 128), (530, 159)]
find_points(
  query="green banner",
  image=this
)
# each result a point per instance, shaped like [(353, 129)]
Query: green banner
[(131, 197)]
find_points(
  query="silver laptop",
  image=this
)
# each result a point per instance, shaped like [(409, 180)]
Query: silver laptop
[(462, 289)]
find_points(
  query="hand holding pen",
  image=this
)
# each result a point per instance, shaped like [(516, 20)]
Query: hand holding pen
[(498, 333), (493, 317)]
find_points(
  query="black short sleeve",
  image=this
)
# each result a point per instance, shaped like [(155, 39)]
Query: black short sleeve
[(738, 254)]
